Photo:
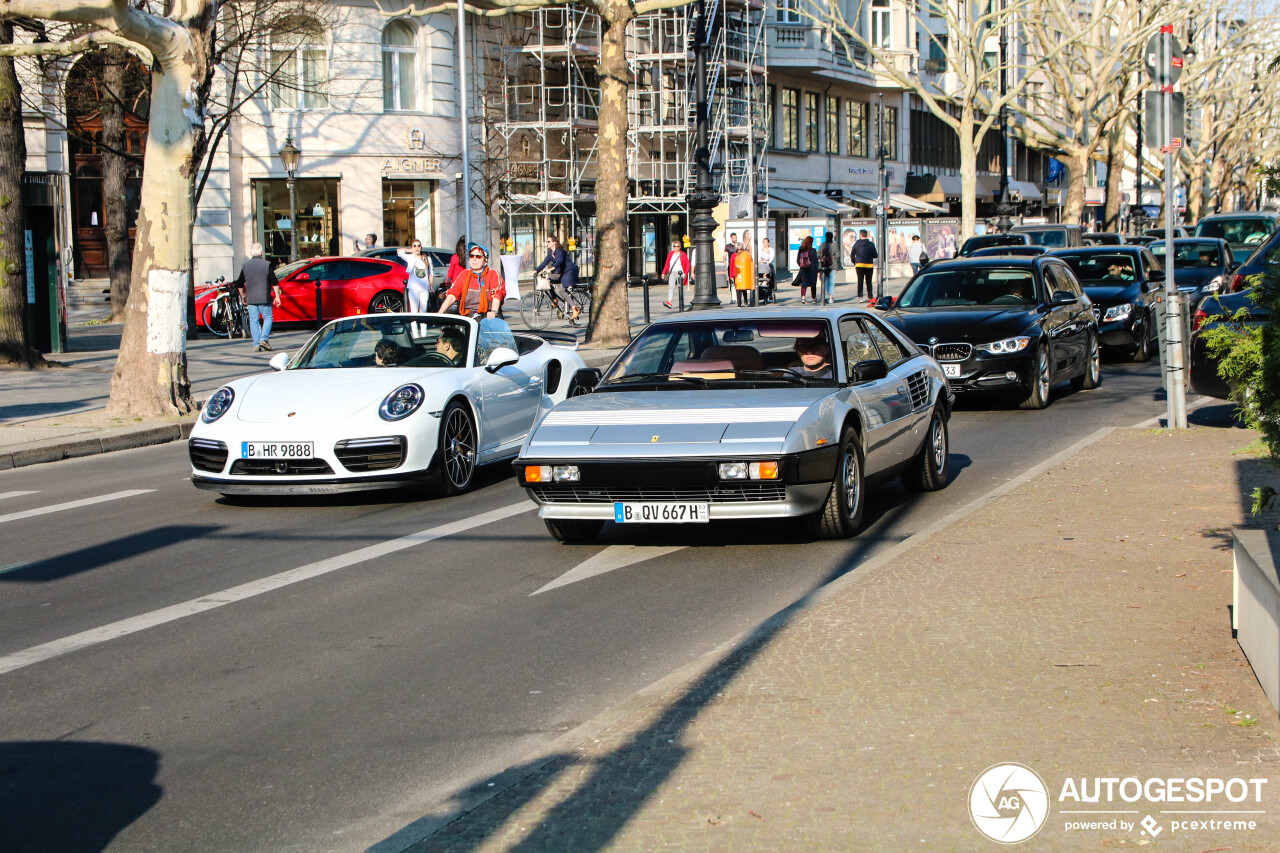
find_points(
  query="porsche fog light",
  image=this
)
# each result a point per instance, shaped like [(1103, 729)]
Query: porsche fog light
[(565, 473), (764, 470), (218, 405), (401, 403), (1117, 312), (734, 471), (537, 473), (1006, 346)]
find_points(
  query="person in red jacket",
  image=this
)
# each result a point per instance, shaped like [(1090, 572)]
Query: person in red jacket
[(456, 263), (675, 271), (478, 292)]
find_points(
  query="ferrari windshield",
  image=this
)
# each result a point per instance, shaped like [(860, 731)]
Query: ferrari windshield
[(727, 353), (378, 340), (959, 288)]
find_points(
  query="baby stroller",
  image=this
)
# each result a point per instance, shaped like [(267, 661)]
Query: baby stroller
[(765, 287)]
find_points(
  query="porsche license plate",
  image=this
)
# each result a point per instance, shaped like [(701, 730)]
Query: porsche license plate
[(638, 512), (277, 449), (951, 370)]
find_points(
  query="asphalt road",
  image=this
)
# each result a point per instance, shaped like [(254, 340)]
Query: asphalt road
[(165, 685)]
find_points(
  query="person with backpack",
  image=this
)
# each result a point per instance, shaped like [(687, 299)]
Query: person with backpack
[(864, 256), (807, 269), (827, 266), (676, 271)]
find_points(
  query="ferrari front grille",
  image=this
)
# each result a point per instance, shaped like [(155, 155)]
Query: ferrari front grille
[(735, 493)]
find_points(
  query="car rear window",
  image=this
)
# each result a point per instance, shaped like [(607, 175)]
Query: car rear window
[(1245, 231)]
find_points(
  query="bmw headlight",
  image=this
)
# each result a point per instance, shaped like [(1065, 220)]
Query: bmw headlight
[(401, 403), (1214, 285), (1006, 346), (217, 405), (1117, 312)]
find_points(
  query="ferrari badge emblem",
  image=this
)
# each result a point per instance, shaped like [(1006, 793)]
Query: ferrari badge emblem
[(291, 414), (653, 440)]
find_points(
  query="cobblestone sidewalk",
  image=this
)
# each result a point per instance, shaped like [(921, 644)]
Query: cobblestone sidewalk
[(1079, 624)]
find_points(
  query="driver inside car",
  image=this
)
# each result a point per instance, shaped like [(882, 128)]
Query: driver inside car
[(450, 344), (815, 357)]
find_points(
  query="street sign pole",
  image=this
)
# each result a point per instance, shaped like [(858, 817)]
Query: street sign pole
[(1175, 380)]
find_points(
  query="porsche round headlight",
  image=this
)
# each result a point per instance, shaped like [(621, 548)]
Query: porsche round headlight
[(401, 403), (217, 405)]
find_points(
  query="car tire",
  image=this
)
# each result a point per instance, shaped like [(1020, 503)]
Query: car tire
[(455, 464), (1145, 349), (1041, 381), (841, 514), (387, 302), (932, 466), (1092, 376), (571, 530)]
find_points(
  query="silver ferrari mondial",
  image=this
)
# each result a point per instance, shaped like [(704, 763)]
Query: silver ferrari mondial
[(745, 414)]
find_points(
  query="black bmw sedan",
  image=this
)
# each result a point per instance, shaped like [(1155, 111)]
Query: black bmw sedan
[(1122, 282), (1201, 265), (1012, 325)]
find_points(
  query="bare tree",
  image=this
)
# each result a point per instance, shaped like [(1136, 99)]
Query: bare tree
[(14, 346)]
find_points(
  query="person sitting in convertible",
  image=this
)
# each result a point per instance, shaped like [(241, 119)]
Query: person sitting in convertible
[(450, 344), (386, 353), (815, 357)]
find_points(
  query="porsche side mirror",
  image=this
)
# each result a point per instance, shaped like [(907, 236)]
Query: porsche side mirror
[(884, 303), (586, 379), (500, 358), (869, 371), (279, 361)]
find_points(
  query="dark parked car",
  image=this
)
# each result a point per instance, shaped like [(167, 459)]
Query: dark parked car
[(1245, 230), (1123, 283), (1054, 236), (1012, 325), (1104, 238), (1201, 265), (1141, 239), (1006, 251), (1203, 372), (983, 241), (1268, 255), (1158, 233)]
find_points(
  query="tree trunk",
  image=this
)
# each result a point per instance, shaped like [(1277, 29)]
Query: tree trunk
[(114, 168), (1077, 168), (610, 322), (968, 175), (14, 347), (1195, 187), (150, 376), (1115, 171)]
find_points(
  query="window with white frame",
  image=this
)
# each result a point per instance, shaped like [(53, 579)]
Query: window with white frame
[(399, 62), (881, 23), (299, 65), (789, 12)]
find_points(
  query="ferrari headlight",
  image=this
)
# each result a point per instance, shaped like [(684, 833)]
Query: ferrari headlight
[(401, 403), (1006, 346), (748, 470), (1117, 312), (218, 405)]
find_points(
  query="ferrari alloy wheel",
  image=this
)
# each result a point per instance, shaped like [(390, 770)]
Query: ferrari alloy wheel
[(570, 530), (841, 515), (1040, 384), (932, 466), (456, 453), (1092, 376), (386, 302)]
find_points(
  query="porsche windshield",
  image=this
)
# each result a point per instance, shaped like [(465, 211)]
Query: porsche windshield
[(962, 288), (386, 341), (727, 353)]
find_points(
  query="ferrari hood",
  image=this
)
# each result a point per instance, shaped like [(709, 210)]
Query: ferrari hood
[(301, 396)]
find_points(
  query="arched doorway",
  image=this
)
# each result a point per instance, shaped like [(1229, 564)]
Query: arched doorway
[(108, 104)]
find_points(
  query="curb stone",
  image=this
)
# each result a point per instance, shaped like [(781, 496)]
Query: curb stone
[(127, 438)]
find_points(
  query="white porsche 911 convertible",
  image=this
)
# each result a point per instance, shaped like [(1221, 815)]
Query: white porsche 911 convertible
[(380, 401)]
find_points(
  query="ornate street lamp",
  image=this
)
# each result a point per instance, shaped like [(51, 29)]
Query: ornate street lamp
[(1005, 207), (704, 198), (290, 155)]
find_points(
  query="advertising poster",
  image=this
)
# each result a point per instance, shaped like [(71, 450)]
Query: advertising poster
[(525, 245), (940, 237), (797, 230), (900, 234)]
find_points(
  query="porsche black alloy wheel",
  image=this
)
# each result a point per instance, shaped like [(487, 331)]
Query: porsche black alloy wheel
[(456, 454), (841, 515), (932, 466)]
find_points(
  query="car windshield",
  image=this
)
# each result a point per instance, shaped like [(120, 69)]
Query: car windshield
[(955, 288), (1201, 253), (387, 341), (726, 353), (1047, 238), (1248, 231), (984, 241), (1102, 269)]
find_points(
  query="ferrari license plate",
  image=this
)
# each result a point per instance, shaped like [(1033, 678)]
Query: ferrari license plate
[(633, 512), (951, 370), (277, 449)]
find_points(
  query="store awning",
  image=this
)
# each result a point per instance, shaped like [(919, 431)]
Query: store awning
[(784, 206), (914, 205), (941, 189), (816, 204), (1030, 192)]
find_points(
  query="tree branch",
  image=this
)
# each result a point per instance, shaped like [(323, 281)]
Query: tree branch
[(80, 44)]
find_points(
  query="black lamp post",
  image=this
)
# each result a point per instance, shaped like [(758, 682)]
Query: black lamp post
[(290, 154), (704, 198), (1005, 207)]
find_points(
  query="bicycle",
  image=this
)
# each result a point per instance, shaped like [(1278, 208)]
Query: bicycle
[(226, 314), (538, 307)]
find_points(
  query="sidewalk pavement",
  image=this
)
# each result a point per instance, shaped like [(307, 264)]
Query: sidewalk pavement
[(59, 413), (1076, 621)]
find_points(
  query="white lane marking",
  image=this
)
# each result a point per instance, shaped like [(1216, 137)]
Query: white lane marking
[(134, 624), (613, 557), (4, 495), (45, 510)]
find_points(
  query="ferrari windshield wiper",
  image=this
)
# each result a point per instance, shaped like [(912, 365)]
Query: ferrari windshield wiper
[(656, 379)]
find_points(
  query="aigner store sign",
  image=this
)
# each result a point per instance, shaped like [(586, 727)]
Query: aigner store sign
[(415, 141)]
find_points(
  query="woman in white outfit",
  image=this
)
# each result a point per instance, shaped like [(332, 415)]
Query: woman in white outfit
[(417, 288)]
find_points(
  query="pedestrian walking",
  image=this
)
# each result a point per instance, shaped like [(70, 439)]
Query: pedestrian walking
[(744, 281), (730, 249), (417, 287), (261, 293), (807, 269), (827, 266), (915, 254), (864, 256), (479, 290), (675, 271)]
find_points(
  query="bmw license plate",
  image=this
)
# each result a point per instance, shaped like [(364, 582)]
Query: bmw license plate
[(640, 512), (277, 449), (951, 370)]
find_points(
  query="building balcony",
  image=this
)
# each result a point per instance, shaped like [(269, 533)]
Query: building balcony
[(814, 49)]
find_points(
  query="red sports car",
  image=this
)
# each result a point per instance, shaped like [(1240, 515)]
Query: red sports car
[(347, 286)]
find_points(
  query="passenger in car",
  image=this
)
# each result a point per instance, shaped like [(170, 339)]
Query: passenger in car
[(815, 357), (386, 353)]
